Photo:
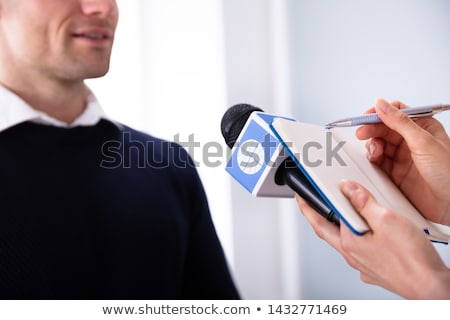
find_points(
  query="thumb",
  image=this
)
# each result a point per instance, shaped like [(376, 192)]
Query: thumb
[(363, 201), (398, 121)]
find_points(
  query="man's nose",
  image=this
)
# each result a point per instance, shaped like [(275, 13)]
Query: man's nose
[(102, 8)]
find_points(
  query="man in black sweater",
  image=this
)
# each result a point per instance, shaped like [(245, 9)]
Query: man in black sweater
[(90, 208)]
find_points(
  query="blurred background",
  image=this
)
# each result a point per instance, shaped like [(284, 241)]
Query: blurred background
[(178, 65)]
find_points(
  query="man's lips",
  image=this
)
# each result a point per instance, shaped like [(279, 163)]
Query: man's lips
[(94, 34)]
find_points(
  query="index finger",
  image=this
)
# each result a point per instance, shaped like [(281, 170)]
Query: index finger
[(323, 228), (380, 130)]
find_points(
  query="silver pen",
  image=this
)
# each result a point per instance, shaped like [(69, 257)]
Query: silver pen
[(417, 112)]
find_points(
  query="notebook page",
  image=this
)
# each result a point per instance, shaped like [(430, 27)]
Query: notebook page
[(308, 144), (329, 157), (392, 195)]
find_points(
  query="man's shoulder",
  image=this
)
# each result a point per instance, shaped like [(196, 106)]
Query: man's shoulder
[(136, 133), (132, 135), (156, 150)]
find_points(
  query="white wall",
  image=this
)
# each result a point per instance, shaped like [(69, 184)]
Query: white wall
[(265, 230)]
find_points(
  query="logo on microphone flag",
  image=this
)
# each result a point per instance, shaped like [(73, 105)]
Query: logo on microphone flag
[(256, 156)]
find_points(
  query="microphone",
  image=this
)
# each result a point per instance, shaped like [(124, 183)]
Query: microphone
[(259, 161)]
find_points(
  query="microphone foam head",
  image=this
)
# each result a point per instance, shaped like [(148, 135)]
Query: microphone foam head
[(233, 121)]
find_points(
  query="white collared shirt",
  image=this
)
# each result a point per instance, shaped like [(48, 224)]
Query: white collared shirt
[(14, 110)]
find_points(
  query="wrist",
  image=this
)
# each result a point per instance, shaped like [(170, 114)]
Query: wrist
[(437, 286)]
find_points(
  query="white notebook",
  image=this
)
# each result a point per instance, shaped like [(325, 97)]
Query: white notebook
[(327, 157)]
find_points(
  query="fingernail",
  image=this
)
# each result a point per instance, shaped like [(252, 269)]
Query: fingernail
[(349, 188), (383, 106), (371, 149)]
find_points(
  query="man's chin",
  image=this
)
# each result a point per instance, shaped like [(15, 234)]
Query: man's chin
[(98, 73)]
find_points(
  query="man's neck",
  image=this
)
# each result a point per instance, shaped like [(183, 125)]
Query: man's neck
[(62, 101)]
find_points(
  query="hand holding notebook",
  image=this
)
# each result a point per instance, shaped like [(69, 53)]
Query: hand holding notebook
[(394, 254), (327, 157)]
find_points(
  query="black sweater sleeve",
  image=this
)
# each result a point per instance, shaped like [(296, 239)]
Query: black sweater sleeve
[(206, 274)]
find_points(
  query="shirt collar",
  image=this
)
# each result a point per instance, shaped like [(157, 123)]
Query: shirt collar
[(14, 110)]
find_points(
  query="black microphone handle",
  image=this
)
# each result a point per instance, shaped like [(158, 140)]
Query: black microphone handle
[(288, 173)]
